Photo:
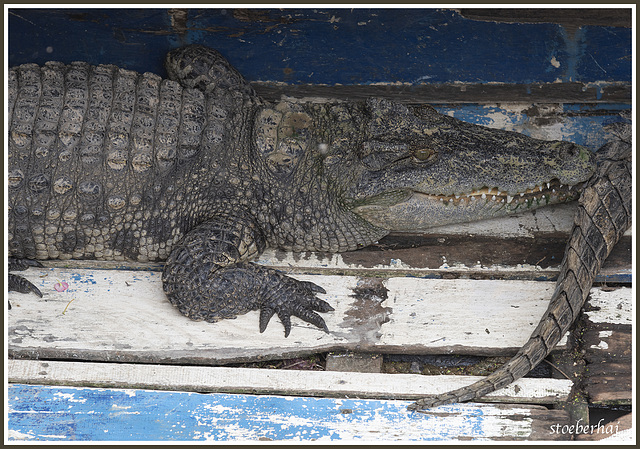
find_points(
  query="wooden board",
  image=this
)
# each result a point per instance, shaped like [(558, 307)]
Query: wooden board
[(209, 379), (38, 413), (121, 315), (612, 95), (608, 349), (341, 46)]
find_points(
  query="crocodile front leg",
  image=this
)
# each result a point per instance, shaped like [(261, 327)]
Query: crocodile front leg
[(207, 277)]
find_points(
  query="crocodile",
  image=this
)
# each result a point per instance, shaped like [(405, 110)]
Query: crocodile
[(603, 215), (200, 172)]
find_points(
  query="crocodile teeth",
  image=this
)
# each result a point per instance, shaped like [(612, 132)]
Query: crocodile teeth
[(548, 185), (522, 194), (493, 197), (509, 198), (484, 196), (541, 188)]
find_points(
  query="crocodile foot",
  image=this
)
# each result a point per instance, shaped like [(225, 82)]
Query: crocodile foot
[(212, 294), (18, 283)]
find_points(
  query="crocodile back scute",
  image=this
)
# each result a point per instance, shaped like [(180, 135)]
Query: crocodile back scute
[(88, 149)]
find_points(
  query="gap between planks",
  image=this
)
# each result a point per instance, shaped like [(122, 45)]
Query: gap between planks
[(207, 379)]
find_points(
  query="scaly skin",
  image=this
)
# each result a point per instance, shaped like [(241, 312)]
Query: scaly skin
[(602, 217), (109, 164)]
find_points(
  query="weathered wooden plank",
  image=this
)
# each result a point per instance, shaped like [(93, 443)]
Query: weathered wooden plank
[(437, 256), (456, 93), (607, 305), (573, 122), (208, 379), (117, 315), (333, 46), (40, 413), (569, 17), (610, 390), (608, 341)]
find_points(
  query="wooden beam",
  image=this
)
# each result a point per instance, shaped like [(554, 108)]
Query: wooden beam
[(209, 379), (450, 93), (575, 17)]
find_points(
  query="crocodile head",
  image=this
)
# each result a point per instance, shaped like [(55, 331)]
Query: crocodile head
[(416, 168), (362, 169)]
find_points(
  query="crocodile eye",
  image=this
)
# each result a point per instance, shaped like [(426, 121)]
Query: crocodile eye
[(423, 154)]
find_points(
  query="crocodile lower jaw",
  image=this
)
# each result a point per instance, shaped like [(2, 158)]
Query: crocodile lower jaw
[(421, 211)]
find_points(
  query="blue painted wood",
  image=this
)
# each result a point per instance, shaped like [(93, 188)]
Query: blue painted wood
[(330, 46), (87, 414), (582, 124)]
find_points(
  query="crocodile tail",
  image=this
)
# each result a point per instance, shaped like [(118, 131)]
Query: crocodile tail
[(603, 215)]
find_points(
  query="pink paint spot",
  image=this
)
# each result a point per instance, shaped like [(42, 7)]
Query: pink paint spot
[(61, 286)]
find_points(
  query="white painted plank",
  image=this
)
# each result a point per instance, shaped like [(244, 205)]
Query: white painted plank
[(268, 381), (611, 306), (117, 315), (91, 414)]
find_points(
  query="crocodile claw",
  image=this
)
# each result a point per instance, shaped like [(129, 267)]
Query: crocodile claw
[(299, 300), (315, 288)]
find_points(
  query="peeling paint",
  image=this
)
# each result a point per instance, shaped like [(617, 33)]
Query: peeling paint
[(581, 124), (616, 311), (176, 416)]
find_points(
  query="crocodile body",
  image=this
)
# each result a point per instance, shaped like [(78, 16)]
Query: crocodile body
[(602, 217), (109, 164)]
